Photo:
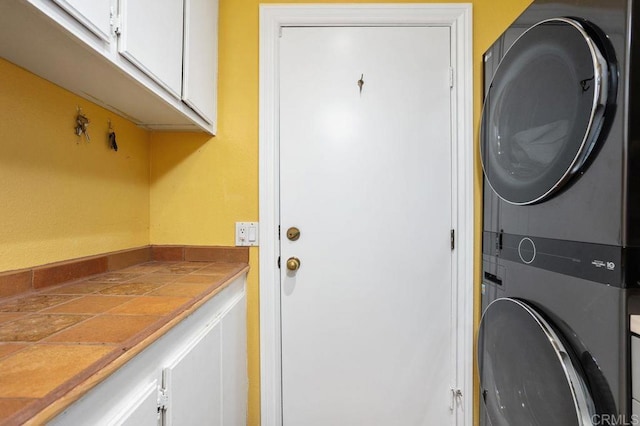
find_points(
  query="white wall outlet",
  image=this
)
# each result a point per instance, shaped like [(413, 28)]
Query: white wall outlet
[(247, 234)]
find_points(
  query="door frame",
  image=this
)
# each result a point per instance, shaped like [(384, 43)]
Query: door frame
[(456, 16)]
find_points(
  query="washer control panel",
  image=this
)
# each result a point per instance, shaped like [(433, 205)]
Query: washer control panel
[(594, 262)]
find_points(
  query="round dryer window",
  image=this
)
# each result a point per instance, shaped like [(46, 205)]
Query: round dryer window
[(526, 373), (543, 110)]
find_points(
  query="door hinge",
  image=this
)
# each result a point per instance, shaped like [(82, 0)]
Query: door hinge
[(453, 239), (163, 399), (456, 394), (451, 77), (116, 23)]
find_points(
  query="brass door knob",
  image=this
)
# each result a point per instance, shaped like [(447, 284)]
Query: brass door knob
[(293, 233), (293, 264)]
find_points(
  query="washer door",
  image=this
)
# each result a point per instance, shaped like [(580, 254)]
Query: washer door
[(526, 374), (543, 111)]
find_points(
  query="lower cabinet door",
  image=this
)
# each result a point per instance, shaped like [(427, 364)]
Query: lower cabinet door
[(235, 382), (123, 403), (143, 409), (635, 367), (193, 382)]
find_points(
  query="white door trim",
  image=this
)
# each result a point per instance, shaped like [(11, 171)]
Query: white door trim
[(272, 17)]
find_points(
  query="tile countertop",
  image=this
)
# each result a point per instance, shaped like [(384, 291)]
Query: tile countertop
[(56, 344)]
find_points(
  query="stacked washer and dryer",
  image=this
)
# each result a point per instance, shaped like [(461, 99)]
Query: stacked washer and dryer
[(560, 149)]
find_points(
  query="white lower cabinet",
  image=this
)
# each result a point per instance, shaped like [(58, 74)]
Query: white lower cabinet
[(192, 383), (142, 409), (234, 360), (635, 367), (196, 374), (635, 379)]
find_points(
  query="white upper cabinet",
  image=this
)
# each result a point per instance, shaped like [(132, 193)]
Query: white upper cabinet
[(199, 84), (93, 14), (151, 38), (125, 55)]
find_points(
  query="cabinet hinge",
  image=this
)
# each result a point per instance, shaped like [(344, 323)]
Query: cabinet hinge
[(278, 232), (115, 22), (163, 399), (455, 395), (451, 77), (453, 239), (278, 262)]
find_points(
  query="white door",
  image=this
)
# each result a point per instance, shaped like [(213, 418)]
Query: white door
[(366, 176)]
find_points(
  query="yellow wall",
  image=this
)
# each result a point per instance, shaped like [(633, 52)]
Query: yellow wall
[(199, 189), (60, 196)]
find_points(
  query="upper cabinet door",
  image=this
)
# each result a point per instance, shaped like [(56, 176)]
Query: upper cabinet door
[(95, 15), (199, 87), (151, 38)]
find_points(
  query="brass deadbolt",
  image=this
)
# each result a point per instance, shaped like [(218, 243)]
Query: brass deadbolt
[(293, 264), (293, 233)]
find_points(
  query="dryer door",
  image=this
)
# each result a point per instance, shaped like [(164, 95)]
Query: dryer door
[(527, 376), (544, 110)]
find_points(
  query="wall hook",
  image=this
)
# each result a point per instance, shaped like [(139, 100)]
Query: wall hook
[(361, 83), (112, 138), (82, 122)]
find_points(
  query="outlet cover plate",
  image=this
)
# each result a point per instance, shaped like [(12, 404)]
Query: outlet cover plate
[(247, 234)]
